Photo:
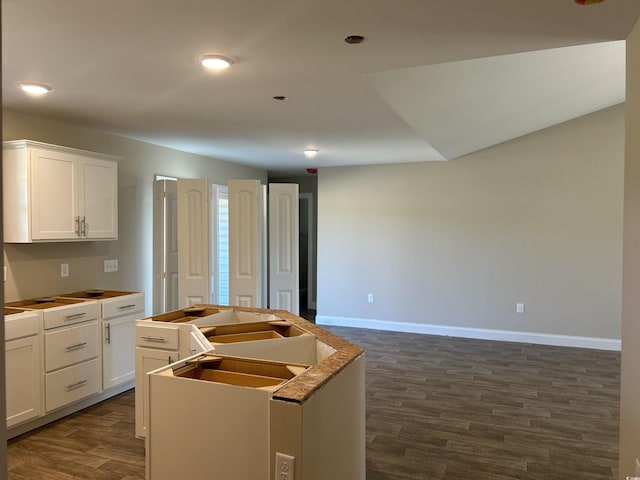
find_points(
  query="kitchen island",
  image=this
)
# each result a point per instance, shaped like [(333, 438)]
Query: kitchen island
[(272, 396)]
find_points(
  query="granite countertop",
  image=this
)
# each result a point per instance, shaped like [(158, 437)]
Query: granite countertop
[(302, 387)]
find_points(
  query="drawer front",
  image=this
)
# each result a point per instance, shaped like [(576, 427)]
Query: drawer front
[(124, 305), (71, 345), (154, 336), (20, 325), (71, 314), (72, 384)]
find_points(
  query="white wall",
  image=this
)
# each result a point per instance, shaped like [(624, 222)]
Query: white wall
[(34, 270), (630, 381), (536, 220)]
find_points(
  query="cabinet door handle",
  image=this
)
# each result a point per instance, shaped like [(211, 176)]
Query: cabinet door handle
[(108, 329), (77, 315), (76, 385), (124, 307), (77, 226), (70, 348), (84, 226), (153, 339), (170, 361)]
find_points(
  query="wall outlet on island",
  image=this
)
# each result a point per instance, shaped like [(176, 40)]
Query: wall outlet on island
[(285, 467), (64, 269), (111, 265)]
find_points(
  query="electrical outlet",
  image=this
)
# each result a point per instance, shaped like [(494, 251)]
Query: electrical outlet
[(370, 298), (519, 307), (285, 467), (111, 265), (64, 269)]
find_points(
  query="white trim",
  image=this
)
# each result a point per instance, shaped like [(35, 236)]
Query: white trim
[(479, 333)]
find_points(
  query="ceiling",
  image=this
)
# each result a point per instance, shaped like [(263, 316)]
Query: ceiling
[(433, 80)]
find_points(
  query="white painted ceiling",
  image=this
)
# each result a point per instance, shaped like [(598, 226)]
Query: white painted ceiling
[(434, 79)]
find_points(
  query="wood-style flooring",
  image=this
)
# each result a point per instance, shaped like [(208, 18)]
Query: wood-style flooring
[(437, 408), (97, 443)]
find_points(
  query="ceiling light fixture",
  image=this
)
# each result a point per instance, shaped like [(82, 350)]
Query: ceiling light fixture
[(215, 62), (353, 39), (34, 88), (310, 152)]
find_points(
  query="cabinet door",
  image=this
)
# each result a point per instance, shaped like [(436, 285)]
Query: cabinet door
[(118, 351), (23, 380), (147, 359), (98, 198), (54, 195)]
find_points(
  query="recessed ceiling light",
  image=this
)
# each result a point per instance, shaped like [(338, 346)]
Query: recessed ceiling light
[(353, 39), (34, 88), (310, 152), (215, 62)]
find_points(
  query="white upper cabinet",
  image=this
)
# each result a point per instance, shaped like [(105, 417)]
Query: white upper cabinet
[(54, 193)]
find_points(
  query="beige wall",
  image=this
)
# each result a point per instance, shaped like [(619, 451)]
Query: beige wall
[(630, 389), (536, 220), (34, 270)]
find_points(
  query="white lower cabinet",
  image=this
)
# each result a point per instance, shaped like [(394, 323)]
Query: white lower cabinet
[(72, 384), (119, 315), (118, 351), (23, 379)]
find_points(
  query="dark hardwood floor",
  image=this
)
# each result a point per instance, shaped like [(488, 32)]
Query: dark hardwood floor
[(437, 408), (95, 443)]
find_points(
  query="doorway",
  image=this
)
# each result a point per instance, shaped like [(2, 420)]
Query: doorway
[(165, 245), (306, 251)]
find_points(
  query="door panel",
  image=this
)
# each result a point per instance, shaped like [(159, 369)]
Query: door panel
[(194, 273), (283, 247), (165, 245), (171, 242), (245, 243)]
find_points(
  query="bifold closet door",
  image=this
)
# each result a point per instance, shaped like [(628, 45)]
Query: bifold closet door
[(284, 247), (247, 274), (194, 271)]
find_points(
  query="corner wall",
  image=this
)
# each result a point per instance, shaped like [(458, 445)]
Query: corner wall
[(630, 383), (34, 269), (451, 247)]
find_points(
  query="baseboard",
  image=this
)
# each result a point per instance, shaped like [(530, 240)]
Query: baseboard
[(479, 333), (68, 410)]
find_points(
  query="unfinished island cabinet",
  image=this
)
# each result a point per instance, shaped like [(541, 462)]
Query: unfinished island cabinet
[(283, 386), (23, 366), (156, 346), (54, 193)]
